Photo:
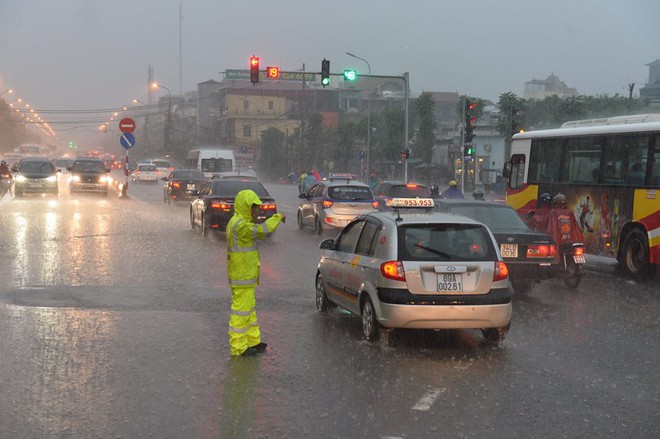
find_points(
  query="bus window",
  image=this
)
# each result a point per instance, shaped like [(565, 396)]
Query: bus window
[(636, 149), (655, 164), (582, 163), (544, 163)]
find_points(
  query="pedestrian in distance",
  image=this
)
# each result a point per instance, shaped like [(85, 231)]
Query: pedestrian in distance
[(452, 191), (243, 271)]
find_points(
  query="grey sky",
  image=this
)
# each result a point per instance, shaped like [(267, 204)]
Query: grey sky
[(89, 54)]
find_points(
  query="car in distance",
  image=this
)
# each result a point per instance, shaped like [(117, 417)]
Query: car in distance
[(35, 175), (530, 255), (385, 191), (88, 175), (163, 166), (145, 172), (417, 269), (212, 205), (180, 183), (334, 203)]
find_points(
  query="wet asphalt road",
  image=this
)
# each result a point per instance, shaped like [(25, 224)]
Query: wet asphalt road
[(113, 323)]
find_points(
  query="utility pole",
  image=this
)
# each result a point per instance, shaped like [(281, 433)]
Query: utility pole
[(180, 48)]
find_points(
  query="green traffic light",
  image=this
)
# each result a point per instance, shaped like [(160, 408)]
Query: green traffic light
[(325, 81), (350, 75)]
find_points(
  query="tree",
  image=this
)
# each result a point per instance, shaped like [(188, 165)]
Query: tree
[(425, 127), (273, 159)]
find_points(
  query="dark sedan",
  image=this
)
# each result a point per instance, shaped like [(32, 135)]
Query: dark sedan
[(528, 254), (180, 183), (213, 205), (35, 175)]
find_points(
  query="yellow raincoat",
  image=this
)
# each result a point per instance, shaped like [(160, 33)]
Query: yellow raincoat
[(243, 269)]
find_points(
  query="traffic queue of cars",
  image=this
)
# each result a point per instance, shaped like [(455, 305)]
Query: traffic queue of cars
[(414, 262)]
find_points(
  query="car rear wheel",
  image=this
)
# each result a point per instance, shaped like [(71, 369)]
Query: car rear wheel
[(300, 221), (318, 229), (495, 336), (203, 228), (322, 302), (369, 322)]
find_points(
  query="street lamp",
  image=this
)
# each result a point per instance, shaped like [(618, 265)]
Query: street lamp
[(368, 114), (166, 140), (8, 91)]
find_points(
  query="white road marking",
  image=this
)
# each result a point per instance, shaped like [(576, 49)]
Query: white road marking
[(426, 401)]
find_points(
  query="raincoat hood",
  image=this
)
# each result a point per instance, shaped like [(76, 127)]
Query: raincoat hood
[(244, 201)]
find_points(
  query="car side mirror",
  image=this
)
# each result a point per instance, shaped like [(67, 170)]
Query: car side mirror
[(194, 193), (327, 244)]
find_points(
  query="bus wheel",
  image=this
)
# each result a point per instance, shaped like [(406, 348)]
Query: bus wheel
[(635, 256)]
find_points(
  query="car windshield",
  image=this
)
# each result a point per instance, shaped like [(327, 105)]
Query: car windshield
[(495, 217), (231, 187), (37, 167), (89, 167), (410, 191), (445, 242), (188, 175), (350, 193)]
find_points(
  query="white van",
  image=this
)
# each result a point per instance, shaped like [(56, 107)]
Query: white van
[(211, 161)]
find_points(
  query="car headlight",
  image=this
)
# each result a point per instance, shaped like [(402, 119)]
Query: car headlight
[(75, 178), (20, 178), (51, 179), (103, 179)]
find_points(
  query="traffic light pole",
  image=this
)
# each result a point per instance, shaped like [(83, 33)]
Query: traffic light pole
[(463, 150)]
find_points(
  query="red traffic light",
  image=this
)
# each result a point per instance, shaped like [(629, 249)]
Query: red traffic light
[(254, 69), (472, 106), (273, 72)]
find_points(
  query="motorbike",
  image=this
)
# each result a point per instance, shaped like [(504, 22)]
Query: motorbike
[(571, 259), (5, 184)]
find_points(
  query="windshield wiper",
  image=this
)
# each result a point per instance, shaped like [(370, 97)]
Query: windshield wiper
[(434, 251)]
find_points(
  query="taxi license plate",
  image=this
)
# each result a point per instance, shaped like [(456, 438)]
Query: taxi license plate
[(509, 250), (450, 282), (190, 187), (579, 259)]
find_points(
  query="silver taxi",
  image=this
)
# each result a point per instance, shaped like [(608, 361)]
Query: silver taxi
[(334, 203), (416, 268)]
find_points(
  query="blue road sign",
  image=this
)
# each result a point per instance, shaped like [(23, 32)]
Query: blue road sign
[(127, 140)]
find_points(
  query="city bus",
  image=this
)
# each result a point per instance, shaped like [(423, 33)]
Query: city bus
[(211, 161), (609, 170)]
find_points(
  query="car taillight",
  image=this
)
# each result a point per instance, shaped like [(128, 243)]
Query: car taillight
[(176, 184), (269, 206), (393, 270), (540, 251), (501, 271), (327, 204), (411, 185), (578, 251), (218, 204), (553, 251), (374, 204), (170, 169)]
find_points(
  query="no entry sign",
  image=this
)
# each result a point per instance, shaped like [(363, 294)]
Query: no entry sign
[(127, 125)]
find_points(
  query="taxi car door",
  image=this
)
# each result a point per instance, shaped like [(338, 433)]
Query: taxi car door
[(307, 207), (341, 265), (362, 268)]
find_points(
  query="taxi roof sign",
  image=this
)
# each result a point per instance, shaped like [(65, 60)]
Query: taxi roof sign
[(340, 176), (412, 202)]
